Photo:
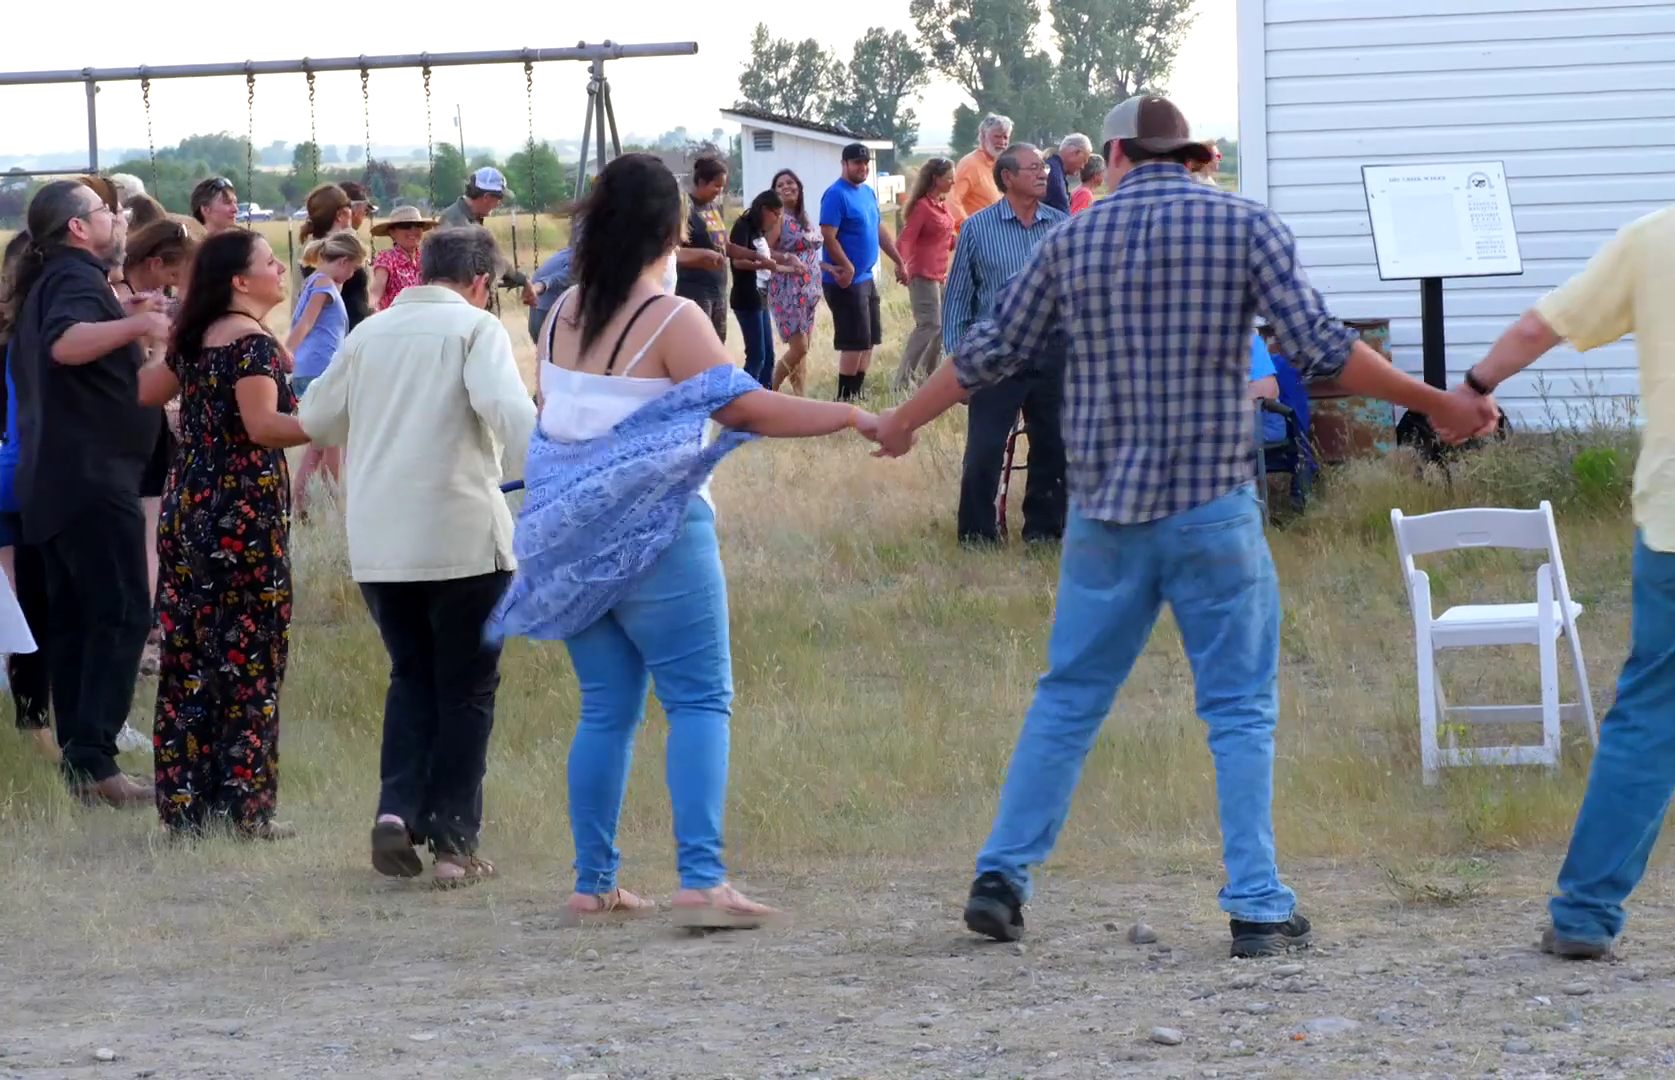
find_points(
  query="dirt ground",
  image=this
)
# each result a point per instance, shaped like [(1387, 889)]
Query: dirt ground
[(875, 979)]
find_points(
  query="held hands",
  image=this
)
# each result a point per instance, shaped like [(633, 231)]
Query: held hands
[(156, 324), (843, 276), (1465, 414), (529, 296), (901, 272), (894, 438)]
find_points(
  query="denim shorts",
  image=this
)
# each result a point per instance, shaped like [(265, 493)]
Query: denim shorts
[(299, 384)]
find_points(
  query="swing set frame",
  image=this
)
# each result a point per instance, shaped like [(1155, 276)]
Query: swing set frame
[(595, 55)]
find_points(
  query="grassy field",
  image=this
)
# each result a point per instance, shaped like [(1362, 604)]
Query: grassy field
[(882, 673)]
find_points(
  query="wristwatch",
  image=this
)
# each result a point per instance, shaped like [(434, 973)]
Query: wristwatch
[(1476, 385)]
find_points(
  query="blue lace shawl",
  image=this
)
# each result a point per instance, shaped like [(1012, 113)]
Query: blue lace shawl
[(599, 514)]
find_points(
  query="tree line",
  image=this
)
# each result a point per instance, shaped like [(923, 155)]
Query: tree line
[(538, 179), (1101, 53)]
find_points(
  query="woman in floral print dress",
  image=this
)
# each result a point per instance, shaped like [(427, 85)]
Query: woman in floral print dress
[(224, 586), (794, 298)]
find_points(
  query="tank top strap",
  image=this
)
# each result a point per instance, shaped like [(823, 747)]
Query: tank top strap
[(664, 325), (610, 365)]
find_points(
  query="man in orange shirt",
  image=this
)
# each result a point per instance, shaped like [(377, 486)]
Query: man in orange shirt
[(974, 177)]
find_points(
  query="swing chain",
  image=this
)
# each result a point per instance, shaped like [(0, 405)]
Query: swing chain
[(249, 133), (313, 138), (366, 150), (534, 200), (430, 141), (151, 143)]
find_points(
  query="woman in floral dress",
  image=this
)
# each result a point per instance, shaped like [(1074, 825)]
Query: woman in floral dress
[(224, 589), (794, 297)]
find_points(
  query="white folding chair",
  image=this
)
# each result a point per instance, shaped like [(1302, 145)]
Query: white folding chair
[(1553, 615)]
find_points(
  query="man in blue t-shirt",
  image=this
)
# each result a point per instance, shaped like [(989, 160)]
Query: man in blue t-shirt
[(854, 232), (1265, 385)]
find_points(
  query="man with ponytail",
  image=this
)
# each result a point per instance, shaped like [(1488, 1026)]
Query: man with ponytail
[(84, 440)]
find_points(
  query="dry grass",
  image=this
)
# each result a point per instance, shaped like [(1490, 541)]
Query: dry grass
[(882, 674)]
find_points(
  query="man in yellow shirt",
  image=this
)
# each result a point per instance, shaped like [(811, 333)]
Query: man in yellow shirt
[(1624, 289), (974, 176)]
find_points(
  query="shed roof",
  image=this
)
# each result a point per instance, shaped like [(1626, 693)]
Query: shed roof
[(750, 116)]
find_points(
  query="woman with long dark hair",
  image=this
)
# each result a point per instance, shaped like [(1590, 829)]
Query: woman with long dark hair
[(926, 244), (158, 257), (224, 594), (795, 297), (629, 379), (25, 566), (758, 230)]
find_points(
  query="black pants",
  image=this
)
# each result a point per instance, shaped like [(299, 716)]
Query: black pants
[(29, 672), (99, 600), (1039, 394), (440, 707)]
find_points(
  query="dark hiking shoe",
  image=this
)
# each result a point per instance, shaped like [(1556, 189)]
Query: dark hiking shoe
[(1257, 939), (994, 909), (1554, 945)]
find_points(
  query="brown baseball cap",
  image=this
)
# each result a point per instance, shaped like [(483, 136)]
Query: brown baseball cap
[(1153, 124)]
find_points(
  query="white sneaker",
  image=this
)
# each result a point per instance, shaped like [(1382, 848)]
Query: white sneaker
[(128, 740)]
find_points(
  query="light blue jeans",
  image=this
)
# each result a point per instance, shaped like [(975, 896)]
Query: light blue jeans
[(672, 628), (1633, 773), (1211, 565)]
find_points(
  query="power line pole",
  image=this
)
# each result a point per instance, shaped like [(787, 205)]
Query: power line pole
[(459, 122)]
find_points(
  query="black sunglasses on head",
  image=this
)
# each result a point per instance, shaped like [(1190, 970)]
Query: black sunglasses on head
[(220, 183)]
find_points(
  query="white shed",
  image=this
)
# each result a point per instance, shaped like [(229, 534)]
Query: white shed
[(1578, 101)]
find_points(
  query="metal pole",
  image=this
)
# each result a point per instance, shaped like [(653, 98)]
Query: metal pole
[(601, 91), (459, 122), (587, 134), (610, 114), (584, 52), (92, 125)]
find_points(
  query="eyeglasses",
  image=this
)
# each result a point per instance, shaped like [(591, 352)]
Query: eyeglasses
[(101, 208), (405, 226), (219, 183)]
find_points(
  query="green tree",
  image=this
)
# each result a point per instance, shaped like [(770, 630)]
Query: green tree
[(790, 79), (1110, 50), (536, 177), (330, 156), (985, 48), (1229, 157), (450, 173), (884, 71), (305, 164), (355, 154)]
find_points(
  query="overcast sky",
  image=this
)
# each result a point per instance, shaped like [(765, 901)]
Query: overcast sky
[(651, 96)]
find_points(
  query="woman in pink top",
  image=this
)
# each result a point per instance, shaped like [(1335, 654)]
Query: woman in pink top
[(1093, 175), (397, 266), (926, 242)]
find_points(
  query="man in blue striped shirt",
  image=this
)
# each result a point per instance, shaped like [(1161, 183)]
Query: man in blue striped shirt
[(1158, 286), (994, 245)]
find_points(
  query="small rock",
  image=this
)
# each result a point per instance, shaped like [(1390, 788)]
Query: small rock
[(1018, 949), (1636, 975), (923, 1048), (1369, 969), (1442, 1044), (1577, 989), (1141, 934), (1518, 1046), (1243, 982), (1285, 971), (591, 955), (1113, 927), (1167, 1036), (923, 1022), (423, 1036), (844, 1018), (104, 1053), (1236, 1045), (587, 1076), (1542, 1000), (1330, 1025), (1259, 1008)]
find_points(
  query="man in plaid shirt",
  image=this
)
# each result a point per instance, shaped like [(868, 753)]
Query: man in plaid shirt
[(1157, 287)]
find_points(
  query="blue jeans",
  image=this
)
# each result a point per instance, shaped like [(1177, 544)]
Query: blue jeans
[(1633, 773), (758, 329), (672, 628), (1211, 565)]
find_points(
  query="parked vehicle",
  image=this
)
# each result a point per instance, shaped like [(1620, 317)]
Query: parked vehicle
[(250, 211)]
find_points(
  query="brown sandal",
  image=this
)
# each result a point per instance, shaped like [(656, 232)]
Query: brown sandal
[(614, 906), (458, 871), (724, 908)]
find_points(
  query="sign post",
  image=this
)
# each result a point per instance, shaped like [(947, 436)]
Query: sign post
[(1432, 222)]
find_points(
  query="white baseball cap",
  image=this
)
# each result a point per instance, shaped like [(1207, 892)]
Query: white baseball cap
[(489, 179)]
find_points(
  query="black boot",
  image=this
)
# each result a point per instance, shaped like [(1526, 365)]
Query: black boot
[(994, 909)]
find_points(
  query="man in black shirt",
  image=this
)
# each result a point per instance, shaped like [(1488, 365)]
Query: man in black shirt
[(84, 441)]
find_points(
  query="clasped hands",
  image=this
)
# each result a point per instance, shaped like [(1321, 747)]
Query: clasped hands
[(893, 437), (1462, 413)]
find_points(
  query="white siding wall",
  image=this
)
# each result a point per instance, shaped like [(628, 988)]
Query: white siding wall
[(1576, 97)]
